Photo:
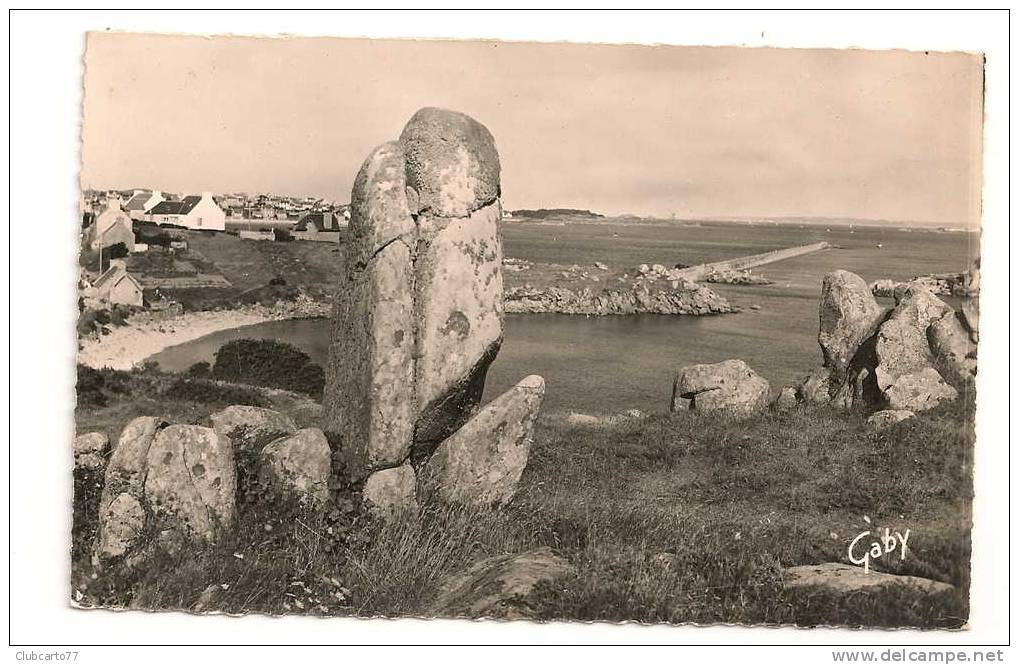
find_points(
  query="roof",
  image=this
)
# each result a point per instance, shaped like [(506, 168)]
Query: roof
[(323, 221), (176, 207), (138, 201), (114, 274)]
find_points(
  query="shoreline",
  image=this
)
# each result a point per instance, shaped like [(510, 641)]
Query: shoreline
[(146, 334)]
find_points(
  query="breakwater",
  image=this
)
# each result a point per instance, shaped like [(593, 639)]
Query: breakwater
[(700, 272)]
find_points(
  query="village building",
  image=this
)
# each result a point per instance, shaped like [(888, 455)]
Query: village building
[(142, 202), (191, 212), (118, 287), (110, 227), (317, 222)]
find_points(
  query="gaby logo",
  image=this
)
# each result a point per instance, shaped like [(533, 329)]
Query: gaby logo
[(862, 552)]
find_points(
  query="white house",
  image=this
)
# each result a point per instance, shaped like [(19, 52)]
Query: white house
[(117, 286), (142, 202), (192, 212)]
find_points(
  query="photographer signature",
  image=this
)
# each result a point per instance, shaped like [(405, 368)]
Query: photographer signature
[(879, 546)]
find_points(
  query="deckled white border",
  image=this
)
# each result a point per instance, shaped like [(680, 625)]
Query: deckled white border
[(45, 101)]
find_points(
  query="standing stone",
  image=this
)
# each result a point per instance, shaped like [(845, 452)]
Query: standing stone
[(369, 397), (390, 492), (848, 315), (460, 310), (453, 176), (419, 313), (191, 481), (251, 427), (300, 464), (418, 321), (481, 463), (90, 450), (452, 163), (730, 385)]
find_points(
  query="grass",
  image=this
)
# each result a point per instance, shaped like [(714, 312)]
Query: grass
[(674, 518)]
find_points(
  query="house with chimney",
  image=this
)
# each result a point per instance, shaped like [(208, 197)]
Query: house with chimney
[(192, 212)]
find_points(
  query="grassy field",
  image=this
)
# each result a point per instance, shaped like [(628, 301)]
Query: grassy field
[(671, 518)]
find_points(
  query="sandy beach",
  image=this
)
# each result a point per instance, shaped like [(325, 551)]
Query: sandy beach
[(145, 334)]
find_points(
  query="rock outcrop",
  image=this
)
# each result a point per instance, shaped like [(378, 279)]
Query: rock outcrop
[(952, 346), (481, 462), (121, 516), (190, 481), (815, 387), (730, 386), (918, 391), (499, 587), (786, 399), (174, 481), (90, 450), (251, 427), (419, 311), (877, 359), (889, 417), (686, 298), (596, 422), (843, 578), (848, 315), (963, 285), (391, 492), (300, 464)]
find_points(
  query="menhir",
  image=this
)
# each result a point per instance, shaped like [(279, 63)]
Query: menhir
[(419, 319)]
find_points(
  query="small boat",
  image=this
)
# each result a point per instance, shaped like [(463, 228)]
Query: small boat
[(879, 245)]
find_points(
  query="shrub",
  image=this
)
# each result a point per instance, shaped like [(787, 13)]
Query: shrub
[(117, 251), (277, 281), (88, 488), (269, 363), (268, 295), (95, 385), (153, 238), (282, 235), (210, 392), (200, 370)]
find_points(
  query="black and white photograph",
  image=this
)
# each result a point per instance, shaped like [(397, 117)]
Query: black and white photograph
[(526, 331)]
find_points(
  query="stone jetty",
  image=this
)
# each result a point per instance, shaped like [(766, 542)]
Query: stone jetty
[(701, 272)]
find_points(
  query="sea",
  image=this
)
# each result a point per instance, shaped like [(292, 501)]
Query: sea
[(603, 365)]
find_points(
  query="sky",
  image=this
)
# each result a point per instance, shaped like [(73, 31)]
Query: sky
[(695, 132)]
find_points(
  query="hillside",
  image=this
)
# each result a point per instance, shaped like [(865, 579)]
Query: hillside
[(665, 518)]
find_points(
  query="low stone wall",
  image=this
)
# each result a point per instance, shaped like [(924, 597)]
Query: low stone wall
[(317, 236)]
